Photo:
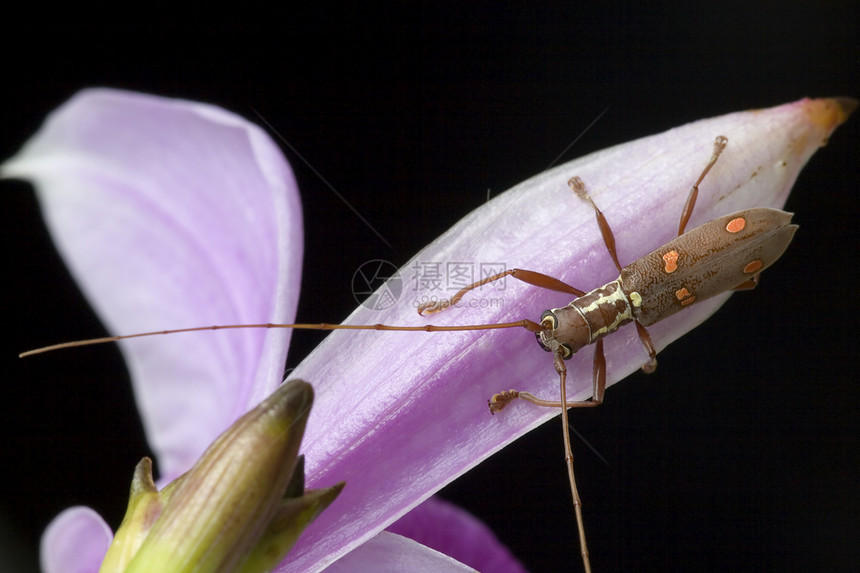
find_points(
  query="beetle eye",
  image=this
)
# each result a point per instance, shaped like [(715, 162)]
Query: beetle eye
[(568, 351), (549, 320)]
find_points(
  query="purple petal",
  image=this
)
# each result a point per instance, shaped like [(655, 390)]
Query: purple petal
[(75, 542), (175, 213), (448, 529), (390, 553), (398, 415)]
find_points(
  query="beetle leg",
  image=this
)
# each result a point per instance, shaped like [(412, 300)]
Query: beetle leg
[(598, 381), (529, 277), (719, 145), (578, 187), (645, 337)]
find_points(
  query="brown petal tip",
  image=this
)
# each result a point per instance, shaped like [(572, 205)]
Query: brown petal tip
[(830, 113)]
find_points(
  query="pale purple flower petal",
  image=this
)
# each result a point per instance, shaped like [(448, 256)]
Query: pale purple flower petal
[(391, 553), (448, 529), (75, 542), (398, 415), (176, 213)]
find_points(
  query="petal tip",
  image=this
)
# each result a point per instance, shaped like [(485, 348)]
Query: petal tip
[(830, 113)]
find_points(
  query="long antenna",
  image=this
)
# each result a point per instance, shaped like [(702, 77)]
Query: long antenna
[(525, 323)]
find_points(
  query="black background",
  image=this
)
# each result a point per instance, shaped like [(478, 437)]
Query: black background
[(741, 452)]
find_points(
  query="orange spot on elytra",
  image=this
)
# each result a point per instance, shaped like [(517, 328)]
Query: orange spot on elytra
[(671, 259), (736, 225), (753, 266), (684, 296)]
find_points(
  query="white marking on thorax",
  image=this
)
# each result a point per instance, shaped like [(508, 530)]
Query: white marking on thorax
[(611, 299)]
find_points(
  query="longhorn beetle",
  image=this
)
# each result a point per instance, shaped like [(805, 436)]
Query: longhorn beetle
[(727, 253)]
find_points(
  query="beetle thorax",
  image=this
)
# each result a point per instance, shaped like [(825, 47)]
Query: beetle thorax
[(586, 319)]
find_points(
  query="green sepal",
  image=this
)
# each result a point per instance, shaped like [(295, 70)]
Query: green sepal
[(145, 504), (292, 518)]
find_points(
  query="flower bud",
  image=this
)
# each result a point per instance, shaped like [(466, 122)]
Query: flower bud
[(240, 508)]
